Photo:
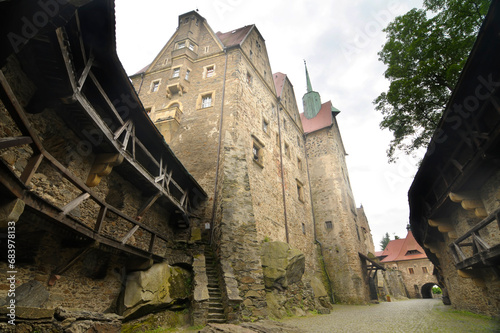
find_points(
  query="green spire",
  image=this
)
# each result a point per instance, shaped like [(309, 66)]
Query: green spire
[(309, 85), (311, 100)]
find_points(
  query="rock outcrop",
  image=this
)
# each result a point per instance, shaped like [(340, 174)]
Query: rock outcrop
[(282, 265), (159, 288)]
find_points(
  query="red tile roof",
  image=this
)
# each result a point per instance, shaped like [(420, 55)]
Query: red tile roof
[(323, 119), (279, 82), (398, 249), (234, 37)]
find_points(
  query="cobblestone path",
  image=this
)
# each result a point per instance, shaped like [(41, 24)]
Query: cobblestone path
[(416, 315)]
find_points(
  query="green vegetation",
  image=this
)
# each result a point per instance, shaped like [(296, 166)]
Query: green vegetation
[(425, 52), (436, 290), (385, 240)]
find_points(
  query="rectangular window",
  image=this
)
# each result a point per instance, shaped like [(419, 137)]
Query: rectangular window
[(303, 228), (249, 78), (411, 271), (207, 49), (300, 192), (299, 164), (251, 54), (176, 72), (187, 75), (265, 126), (181, 45), (155, 85), (277, 139), (328, 225), (206, 101), (298, 141), (258, 152), (191, 46), (210, 71), (424, 270), (287, 150)]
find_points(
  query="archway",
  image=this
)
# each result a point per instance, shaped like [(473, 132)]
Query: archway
[(426, 290)]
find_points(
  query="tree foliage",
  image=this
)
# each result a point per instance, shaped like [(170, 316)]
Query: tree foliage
[(425, 52), (385, 240)]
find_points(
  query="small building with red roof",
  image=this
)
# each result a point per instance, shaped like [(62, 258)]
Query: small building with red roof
[(408, 257)]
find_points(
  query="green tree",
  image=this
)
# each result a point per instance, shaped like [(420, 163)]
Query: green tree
[(425, 52), (385, 240)]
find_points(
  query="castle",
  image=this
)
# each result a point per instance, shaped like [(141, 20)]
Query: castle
[(271, 173), (102, 208)]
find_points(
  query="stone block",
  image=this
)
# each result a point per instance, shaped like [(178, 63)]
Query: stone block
[(10, 211)]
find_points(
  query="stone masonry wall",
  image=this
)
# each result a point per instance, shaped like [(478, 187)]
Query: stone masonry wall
[(335, 215), (478, 289), (422, 274)]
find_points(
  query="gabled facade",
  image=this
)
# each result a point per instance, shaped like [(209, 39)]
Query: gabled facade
[(408, 257), (237, 128)]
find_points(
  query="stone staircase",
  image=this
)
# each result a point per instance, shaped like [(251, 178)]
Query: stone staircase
[(215, 307)]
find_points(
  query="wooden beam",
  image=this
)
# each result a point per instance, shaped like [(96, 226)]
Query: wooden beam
[(75, 203), (100, 219), (145, 207), (106, 98), (129, 234), (23, 123), (15, 141), (31, 168), (60, 32), (85, 73)]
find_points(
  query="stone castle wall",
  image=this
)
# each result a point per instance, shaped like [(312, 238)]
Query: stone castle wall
[(480, 282), (414, 279), (336, 216)]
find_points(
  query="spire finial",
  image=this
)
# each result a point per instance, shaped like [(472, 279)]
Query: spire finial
[(309, 85)]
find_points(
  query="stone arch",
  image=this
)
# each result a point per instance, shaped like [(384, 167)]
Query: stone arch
[(173, 104), (426, 289)]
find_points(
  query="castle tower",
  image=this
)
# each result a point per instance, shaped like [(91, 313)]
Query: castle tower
[(236, 127), (341, 229)]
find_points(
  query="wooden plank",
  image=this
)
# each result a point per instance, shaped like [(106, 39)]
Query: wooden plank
[(127, 136), (106, 98), (121, 129), (15, 141), (129, 234), (31, 168), (479, 226), (100, 219), (145, 207), (24, 124), (152, 243), (480, 242), (60, 32), (459, 252), (86, 72), (75, 203)]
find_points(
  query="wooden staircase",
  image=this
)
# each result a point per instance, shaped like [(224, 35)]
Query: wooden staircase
[(215, 307)]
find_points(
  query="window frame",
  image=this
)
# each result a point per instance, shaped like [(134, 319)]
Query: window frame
[(155, 85), (257, 151), (186, 77), (300, 191), (411, 270), (176, 72), (204, 98)]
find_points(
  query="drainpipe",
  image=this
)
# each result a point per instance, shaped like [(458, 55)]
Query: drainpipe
[(140, 86), (218, 151), (282, 170), (332, 298)]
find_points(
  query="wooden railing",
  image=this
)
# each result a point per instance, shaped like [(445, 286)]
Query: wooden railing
[(471, 250)]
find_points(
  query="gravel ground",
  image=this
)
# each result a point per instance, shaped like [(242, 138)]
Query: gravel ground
[(416, 315)]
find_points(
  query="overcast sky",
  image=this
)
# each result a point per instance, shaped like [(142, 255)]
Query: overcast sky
[(340, 40)]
